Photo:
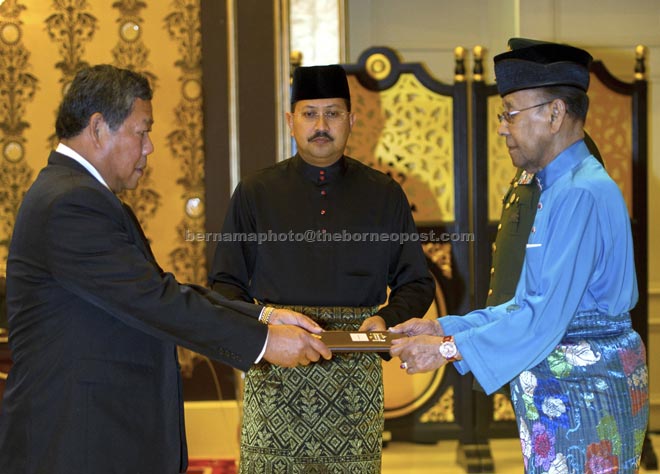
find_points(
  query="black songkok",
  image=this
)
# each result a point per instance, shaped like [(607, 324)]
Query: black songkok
[(532, 63), (319, 82)]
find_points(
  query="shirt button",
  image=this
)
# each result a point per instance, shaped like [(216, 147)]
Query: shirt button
[(323, 212), (323, 193), (494, 247), (540, 206), (533, 228), (490, 292), (322, 172), (492, 270), (499, 226), (322, 178)]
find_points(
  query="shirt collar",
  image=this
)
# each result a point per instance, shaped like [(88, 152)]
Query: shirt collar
[(562, 164), (74, 155), (314, 173)]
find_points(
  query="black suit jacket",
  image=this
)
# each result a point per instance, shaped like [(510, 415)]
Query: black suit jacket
[(94, 323)]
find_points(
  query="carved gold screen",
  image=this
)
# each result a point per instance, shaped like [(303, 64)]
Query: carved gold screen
[(500, 168), (610, 123), (407, 132), (408, 125)]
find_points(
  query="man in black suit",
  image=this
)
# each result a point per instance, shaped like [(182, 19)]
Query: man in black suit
[(94, 321)]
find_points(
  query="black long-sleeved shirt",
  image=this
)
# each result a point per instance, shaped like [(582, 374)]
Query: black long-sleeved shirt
[(297, 234)]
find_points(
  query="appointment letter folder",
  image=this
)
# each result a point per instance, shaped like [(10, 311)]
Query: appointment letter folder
[(357, 341)]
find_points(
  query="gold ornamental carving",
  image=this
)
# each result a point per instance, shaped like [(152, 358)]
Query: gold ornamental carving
[(459, 61), (188, 258), (640, 61), (378, 66), (129, 31), (71, 27), (10, 33), (440, 255), (502, 408), (442, 411), (186, 141), (131, 53), (17, 89), (407, 132), (500, 167), (609, 123), (478, 72)]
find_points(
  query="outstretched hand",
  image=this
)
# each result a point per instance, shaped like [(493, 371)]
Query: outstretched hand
[(287, 316), (293, 340), (373, 323), (290, 346), (417, 327), (418, 353)]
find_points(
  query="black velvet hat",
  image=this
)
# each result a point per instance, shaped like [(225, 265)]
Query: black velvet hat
[(319, 82), (533, 63)]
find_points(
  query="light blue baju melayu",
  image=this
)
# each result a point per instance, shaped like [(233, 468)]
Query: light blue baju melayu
[(576, 368)]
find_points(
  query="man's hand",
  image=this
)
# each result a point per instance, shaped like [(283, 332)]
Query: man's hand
[(290, 346), (373, 323), (418, 326), (286, 316), (418, 353)]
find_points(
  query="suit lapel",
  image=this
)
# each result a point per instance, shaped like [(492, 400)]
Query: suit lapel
[(141, 238)]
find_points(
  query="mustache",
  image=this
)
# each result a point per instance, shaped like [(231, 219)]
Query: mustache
[(320, 134)]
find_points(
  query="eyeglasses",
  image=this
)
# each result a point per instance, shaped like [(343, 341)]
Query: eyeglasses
[(328, 115), (508, 116)]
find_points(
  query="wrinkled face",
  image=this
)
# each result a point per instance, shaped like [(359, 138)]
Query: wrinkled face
[(321, 128), (528, 129), (126, 149)]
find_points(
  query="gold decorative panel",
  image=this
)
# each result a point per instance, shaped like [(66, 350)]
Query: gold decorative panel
[(440, 255), (130, 52), (185, 141), (442, 411), (500, 168), (407, 132), (609, 123), (71, 27), (502, 408), (18, 87)]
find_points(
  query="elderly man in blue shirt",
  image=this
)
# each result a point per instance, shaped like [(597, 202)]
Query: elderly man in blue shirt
[(564, 343)]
